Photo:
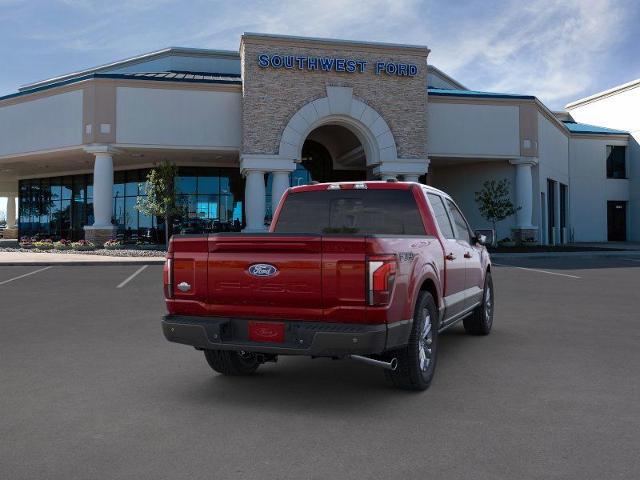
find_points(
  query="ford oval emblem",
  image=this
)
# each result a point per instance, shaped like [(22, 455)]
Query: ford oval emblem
[(262, 270)]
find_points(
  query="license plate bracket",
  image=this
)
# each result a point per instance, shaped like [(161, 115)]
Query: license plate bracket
[(266, 332)]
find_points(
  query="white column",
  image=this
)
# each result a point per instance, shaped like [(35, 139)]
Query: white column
[(410, 178), (279, 185), (11, 212), (254, 200), (524, 193), (103, 189)]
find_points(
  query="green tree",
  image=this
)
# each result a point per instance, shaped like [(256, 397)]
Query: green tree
[(160, 199), (494, 202)]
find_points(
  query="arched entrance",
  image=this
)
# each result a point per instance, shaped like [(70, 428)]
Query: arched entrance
[(330, 139), (332, 153)]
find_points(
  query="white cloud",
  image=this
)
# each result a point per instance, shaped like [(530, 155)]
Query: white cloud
[(544, 47), (548, 48)]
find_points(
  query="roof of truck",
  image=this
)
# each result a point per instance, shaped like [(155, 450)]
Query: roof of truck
[(370, 184)]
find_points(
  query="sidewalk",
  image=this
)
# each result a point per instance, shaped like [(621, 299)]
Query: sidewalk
[(635, 254), (35, 259)]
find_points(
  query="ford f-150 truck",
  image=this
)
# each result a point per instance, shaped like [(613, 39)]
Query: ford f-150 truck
[(371, 271)]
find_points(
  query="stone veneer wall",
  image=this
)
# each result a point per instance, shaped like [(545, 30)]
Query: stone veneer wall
[(272, 96)]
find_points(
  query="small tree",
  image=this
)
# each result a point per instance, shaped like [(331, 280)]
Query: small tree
[(494, 202), (160, 200)]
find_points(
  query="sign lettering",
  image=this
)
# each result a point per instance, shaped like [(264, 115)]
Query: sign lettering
[(332, 64)]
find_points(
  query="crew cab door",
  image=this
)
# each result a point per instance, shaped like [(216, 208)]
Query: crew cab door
[(473, 270), (455, 261)]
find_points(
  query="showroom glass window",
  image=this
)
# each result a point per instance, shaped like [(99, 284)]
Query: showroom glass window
[(131, 225), (211, 200), (59, 207), (616, 161), (56, 207)]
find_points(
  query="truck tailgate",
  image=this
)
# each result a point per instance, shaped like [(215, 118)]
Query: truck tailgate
[(265, 276)]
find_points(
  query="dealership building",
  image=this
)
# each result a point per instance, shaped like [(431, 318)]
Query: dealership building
[(244, 126)]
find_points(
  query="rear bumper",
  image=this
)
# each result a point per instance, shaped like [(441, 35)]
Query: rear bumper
[(301, 338)]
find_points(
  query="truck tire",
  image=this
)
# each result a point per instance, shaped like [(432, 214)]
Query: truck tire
[(232, 363), (417, 361), (480, 321)]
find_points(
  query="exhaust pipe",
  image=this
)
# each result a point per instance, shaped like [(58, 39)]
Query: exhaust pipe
[(392, 365)]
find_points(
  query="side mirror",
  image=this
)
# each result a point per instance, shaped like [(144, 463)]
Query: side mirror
[(484, 237)]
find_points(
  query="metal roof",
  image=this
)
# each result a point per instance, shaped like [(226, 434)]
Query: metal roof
[(187, 77), (444, 92), (135, 60), (585, 128), (177, 75)]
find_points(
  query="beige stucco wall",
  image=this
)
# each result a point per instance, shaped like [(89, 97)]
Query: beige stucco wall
[(178, 117), (460, 129), (272, 96), (45, 123)]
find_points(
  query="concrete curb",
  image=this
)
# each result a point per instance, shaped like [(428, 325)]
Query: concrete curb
[(600, 254), (88, 263)]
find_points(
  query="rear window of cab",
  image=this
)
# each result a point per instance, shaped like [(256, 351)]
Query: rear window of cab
[(357, 212)]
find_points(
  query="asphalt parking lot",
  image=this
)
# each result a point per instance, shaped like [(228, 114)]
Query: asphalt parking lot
[(89, 388)]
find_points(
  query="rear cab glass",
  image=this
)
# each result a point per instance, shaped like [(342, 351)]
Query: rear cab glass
[(356, 212)]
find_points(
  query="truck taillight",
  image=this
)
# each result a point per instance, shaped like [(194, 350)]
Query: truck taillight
[(169, 286), (381, 271)]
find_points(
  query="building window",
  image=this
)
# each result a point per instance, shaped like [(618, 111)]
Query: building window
[(59, 207), (616, 161), (211, 199)]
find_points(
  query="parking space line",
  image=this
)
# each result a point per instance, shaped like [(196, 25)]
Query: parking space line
[(536, 270), (25, 275), (132, 276)]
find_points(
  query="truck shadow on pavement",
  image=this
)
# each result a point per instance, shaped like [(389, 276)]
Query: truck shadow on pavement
[(318, 386)]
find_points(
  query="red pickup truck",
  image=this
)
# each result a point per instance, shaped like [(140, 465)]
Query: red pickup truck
[(371, 271)]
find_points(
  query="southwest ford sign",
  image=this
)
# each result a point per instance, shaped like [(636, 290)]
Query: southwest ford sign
[(335, 64)]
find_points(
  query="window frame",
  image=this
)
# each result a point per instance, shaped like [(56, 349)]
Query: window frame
[(608, 150), (446, 211), (470, 234)]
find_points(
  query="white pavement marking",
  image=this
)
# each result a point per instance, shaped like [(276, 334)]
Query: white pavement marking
[(536, 270), (131, 277), (25, 275)]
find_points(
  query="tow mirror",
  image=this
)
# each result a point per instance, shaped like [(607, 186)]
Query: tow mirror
[(484, 237)]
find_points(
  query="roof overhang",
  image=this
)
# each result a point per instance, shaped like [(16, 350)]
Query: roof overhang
[(606, 93), (145, 57)]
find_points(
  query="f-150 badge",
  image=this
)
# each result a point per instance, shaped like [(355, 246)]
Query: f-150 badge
[(262, 270)]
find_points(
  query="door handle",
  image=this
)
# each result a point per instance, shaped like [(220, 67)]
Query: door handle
[(450, 256), (467, 255)]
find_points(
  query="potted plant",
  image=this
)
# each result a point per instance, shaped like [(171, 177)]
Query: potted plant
[(494, 202)]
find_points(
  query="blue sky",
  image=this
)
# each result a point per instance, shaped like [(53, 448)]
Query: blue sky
[(556, 50)]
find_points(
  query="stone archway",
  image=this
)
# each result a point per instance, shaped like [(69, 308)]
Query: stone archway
[(339, 107)]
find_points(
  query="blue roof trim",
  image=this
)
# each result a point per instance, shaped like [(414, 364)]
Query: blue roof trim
[(444, 92), (225, 80), (585, 128)]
